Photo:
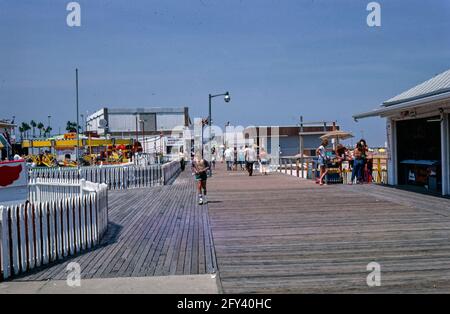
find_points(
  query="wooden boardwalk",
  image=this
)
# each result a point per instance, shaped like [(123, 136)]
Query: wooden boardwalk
[(152, 232), (274, 234), (281, 234)]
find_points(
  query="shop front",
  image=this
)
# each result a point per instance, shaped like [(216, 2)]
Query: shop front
[(419, 154), (418, 136)]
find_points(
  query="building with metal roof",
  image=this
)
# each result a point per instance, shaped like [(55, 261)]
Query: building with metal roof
[(418, 135)]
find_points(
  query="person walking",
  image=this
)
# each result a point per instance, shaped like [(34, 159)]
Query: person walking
[(364, 155), (229, 156), (241, 158), (321, 152), (182, 161), (250, 158), (235, 159), (213, 158), (358, 163), (200, 168), (264, 161)]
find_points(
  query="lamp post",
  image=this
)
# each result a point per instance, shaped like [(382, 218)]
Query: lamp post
[(78, 122), (227, 98)]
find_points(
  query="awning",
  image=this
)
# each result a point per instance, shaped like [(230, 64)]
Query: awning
[(384, 111)]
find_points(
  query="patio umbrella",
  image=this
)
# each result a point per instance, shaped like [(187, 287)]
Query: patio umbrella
[(339, 135)]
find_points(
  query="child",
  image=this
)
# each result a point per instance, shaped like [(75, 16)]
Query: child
[(200, 169)]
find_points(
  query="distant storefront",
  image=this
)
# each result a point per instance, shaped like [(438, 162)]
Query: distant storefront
[(291, 140), (418, 135)]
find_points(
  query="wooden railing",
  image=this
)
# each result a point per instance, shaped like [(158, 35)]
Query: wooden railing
[(307, 168), (170, 170), (35, 233), (120, 177)]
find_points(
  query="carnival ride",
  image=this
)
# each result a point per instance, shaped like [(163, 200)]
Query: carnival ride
[(61, 151)]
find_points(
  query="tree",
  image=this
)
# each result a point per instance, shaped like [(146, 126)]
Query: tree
[(33, 125), (47, 131), (26, 127), (40, 127), (72, 126), (21, 130)]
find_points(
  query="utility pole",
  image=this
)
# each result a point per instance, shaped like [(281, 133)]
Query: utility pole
[(78, 119)]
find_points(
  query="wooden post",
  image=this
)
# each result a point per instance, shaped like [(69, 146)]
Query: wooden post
[(302, 166), (297, 167), (379, 170)]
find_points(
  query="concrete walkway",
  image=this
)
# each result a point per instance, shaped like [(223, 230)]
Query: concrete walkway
[(192, 284)]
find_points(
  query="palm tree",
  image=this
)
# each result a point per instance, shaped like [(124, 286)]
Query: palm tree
[(72, 126), (33, 125), (21, 130), (40, 127), (47, 131), (26, 127)]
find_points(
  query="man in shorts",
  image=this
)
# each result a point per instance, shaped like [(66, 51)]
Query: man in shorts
[(200, 169)]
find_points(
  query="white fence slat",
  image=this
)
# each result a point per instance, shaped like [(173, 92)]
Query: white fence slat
[(45, 234), (52, 228), (31, 239), (15, 241), (71, 223), (38, 233), (76, 207), (58, 229), (22, 238), (82, 223), (65, 227), (5, 237)]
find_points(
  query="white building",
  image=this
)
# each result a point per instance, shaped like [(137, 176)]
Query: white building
[(156, 128), (119, 122), (418, 135)]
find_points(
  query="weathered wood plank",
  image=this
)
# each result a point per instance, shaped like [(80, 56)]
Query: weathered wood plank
[(281, 234), (145, 237)]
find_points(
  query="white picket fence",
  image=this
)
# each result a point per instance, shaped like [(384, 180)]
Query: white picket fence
[(61, 219), (118, 177)]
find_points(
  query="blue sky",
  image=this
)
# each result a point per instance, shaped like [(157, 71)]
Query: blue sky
[(279, 59)]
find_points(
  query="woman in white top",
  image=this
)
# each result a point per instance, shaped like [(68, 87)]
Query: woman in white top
[(321, 153)]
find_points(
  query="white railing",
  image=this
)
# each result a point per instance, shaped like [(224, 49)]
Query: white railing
[(170, 170), (116, 177), (37, 233)]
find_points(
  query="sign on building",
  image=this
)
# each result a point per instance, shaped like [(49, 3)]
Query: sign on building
[(13, 182)]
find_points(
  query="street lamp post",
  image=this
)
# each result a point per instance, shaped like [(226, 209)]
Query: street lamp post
[(227, 99), (78, 122)]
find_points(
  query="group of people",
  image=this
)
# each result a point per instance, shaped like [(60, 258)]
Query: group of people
[(358, 160), (245, 158)]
